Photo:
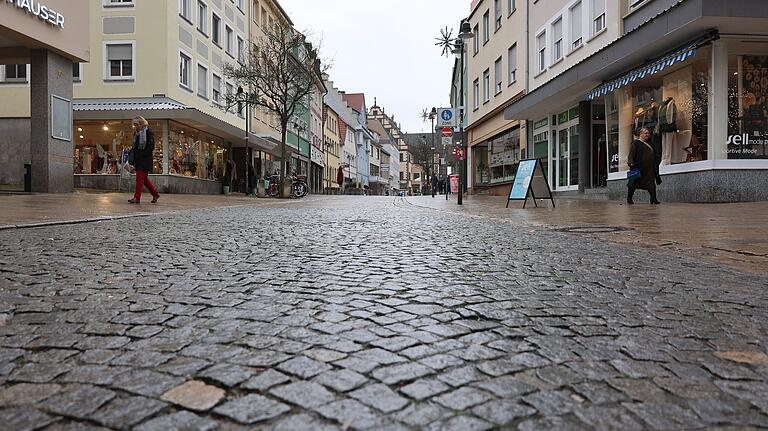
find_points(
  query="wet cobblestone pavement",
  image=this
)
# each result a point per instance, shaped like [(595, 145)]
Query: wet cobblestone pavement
[(369, 313)]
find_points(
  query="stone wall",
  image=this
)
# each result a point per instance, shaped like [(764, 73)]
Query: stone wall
[(164, 183), (14, 150)]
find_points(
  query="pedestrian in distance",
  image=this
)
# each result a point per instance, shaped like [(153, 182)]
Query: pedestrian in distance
[(643, 157), (143, 147), (434, 184)]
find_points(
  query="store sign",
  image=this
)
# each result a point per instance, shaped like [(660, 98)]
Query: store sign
[(739, 141), (530, 180), (41, 11)]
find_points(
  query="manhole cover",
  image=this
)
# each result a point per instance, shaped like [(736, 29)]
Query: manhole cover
[(593, 229)]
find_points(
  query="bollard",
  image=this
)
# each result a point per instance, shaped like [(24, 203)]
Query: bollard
[(28, 177)]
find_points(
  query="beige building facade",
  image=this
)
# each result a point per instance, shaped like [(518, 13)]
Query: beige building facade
[(40, 45), (332, 147)]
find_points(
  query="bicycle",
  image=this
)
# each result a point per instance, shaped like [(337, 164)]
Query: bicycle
[(299, 187)]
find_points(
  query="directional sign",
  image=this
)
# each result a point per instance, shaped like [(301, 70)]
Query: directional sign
[(447, 141), (446, 117), (447, 132)]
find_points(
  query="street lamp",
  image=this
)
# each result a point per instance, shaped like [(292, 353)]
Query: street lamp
[(460, 45), (432, 116), (240, 95)]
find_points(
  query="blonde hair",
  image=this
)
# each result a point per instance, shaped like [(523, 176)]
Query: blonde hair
[(141, 120)]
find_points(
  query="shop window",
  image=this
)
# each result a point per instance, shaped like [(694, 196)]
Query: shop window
[(196, 154), (119, 61), (101, 146), (672, 104), (496, 160), (747, 107)]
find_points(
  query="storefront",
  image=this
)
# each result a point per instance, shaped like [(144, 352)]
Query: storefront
[(706, 105), (317, 157), (495, 160)]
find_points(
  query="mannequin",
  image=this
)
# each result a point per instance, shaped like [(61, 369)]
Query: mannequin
[(668, 129)]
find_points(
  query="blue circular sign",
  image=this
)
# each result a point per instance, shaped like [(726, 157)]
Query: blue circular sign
[(446, 115)]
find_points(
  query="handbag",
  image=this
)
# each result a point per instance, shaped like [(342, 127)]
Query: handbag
[(131, 158), (634, 174)]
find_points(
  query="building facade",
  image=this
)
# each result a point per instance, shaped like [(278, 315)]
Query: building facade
[(332, 147), (42, 50), (401, 165), (594, 72)]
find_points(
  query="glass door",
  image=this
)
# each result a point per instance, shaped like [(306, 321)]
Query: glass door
[(562, 158), (565, 156)]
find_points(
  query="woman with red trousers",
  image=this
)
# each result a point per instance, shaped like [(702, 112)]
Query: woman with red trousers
[(143, 147)]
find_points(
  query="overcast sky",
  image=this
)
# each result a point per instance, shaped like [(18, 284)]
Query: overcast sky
[(385, 49)]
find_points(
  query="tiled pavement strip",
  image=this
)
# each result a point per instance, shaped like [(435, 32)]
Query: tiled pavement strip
[(369, 313)]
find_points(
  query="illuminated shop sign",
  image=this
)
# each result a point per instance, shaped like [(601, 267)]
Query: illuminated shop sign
[(39, 10)]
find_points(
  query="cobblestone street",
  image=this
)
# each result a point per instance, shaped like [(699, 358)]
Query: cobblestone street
[(369, 313)]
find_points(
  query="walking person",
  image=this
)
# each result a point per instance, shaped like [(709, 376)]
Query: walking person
[(143, 147), (643, 157), (434, 184)]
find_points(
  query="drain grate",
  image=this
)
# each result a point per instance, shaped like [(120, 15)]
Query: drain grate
[(594, 229)]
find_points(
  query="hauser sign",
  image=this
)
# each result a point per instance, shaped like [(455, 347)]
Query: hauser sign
[(39, 10)]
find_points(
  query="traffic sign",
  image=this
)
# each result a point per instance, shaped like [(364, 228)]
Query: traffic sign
[(447, 132), (446, 117), (447, 141)]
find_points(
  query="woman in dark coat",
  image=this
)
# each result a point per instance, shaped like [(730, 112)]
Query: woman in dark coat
[(143, 147), (642, 156)]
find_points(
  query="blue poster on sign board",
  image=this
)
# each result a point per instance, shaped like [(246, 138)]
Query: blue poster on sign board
[(522, 179), (530, 179)]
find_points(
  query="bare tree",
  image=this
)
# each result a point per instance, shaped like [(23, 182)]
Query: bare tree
[(423, 154), (278, 73)]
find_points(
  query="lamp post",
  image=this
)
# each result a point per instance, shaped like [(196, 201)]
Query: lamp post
[(460, 47), (240, 95), (432, 116)]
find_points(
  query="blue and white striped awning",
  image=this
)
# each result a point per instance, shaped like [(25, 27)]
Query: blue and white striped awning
[(643, 71)]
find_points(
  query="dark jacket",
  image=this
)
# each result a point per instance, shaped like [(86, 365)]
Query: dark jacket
[(643, 156), (143, 158)]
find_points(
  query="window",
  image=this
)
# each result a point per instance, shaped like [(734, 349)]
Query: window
[(497, 76), (240, 4), (229, 40), (216, 29), (476, 40), (119, 61), (240, 49), (511, 6), (185, 9), (416, 175), (557, 38), (598, 16), (512, 63), (76, 73), (216, 87), (497, 11), (575, 21), (263, 18), (486, 30), (486, 85), (541, 47), (117, 3), (202, 17), (256, 12), (185, 70), (475, 94), (16, 72), (634, 4), (202, 81)]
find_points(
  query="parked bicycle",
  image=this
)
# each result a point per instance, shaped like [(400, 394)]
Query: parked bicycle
[(299, 187)]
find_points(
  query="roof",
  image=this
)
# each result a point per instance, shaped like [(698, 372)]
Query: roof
[(134, 104), (355, 100), (376, 126)]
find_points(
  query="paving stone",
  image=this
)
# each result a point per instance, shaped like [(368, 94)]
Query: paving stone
[(600, 417), (302, 421), (142, 359), (394, 374), (303, 394), (251, 409), (194, 395), (93, 374), (441, 361), (380, 397), (395, 344), (502, 412), (599, 393), (639, 369), (422, 414), (552, 403), (477, 352), (24, 418), (341, 380), (146, 382), (461, 376), (461, 423), (26, 393), (38, 373), (719, 411), (506, 386), (125, 412), (182, 366), (552, 423), (351, 414), (664, 416), (179, 421), (78, 401), (303, 367), (324, 355), (425, 388), (266, 380), (228, 375)]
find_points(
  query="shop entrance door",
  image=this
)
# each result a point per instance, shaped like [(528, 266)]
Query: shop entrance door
[(565, 156)]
